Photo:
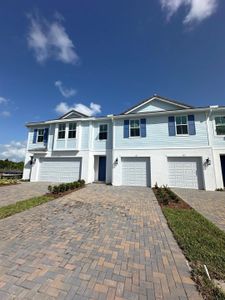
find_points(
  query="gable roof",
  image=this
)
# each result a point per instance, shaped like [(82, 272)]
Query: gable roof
[(73, 114), (164, 99)]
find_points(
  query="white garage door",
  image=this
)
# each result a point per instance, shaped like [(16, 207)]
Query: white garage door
[(59, 169), (136, 171), (185, 172)]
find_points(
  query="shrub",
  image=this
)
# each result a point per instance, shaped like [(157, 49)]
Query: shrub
[(82, 182), (63, 187), (55, 189)]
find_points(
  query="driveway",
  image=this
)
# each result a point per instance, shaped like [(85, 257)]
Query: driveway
[(12, 193), (100, 242), (209, 204)]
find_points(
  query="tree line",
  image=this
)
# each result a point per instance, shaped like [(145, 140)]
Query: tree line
[(11, 165)]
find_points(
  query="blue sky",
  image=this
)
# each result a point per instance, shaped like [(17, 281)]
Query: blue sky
[(103, 56)]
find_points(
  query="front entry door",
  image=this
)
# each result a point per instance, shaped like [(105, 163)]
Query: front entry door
[(222, 159), (102, 168)]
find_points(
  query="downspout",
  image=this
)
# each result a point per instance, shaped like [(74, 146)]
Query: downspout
[(113, 134), (208, 115)]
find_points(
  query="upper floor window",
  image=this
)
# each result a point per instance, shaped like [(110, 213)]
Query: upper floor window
[(103, 131), (62, 131), (40, 136), (72, 130), (220, 125), (181, 125), (134, 128)]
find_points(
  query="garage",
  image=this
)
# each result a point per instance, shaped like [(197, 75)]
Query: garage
[(59, 169), (186, 172), (136, 171)]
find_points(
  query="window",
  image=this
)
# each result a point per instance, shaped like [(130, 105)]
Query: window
[(220, 125), (134, 128), (103, 128), (40, 137), (62, 131), (181, 125), (72, 130)]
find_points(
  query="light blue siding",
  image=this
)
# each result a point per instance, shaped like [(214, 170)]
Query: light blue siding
[(51, 137), (71, 144), (32, 145), (60, 144), (156, 105), (158, 136), (84, 135), (102, 144), (217, 141)]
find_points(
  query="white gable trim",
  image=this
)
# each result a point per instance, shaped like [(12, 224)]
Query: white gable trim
[(154, 98), (73, 112)]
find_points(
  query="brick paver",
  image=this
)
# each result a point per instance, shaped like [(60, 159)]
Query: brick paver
[(12, 193), (208, 203), (100, 242)]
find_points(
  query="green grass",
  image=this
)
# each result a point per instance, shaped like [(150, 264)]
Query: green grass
[(202, 243), (20, 206), (8, 181)]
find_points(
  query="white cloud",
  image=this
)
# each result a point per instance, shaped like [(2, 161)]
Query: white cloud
[(14, 151), (198, 10), (93, 109), (50, 40), (5, 113), (3, 100), (65, 91)]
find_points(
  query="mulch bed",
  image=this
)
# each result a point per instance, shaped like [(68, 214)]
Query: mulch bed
[(177, 203)]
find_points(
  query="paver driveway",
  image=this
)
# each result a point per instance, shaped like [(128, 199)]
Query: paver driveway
[(209, 204), (100, 242), (25, 190)]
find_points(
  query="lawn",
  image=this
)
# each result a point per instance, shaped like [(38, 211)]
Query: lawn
[(201, 241), (20, 206), (4, 182), (55, 191)]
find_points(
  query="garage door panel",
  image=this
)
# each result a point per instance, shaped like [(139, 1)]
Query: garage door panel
[(185, 172), (136, 171), (59, 169)]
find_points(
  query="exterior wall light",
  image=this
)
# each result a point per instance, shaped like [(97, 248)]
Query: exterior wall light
[(207, 162)]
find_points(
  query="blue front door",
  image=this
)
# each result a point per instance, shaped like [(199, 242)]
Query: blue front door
[(102, 168)]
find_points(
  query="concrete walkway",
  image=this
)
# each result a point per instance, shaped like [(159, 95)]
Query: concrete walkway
[(12, 193), (100, 242), (209, 204)]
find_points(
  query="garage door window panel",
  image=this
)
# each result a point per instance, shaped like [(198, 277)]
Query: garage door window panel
[(134, 128), (62, 131), (182, 125), (220, 125), (72, 130)]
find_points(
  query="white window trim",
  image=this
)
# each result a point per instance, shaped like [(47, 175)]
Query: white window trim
[(38, 135), (68, 126), (66, 129), (214, 125), (187, 134), (137, 136), (102, 140)]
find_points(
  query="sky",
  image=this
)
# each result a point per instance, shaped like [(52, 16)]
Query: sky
[(101, 57)]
